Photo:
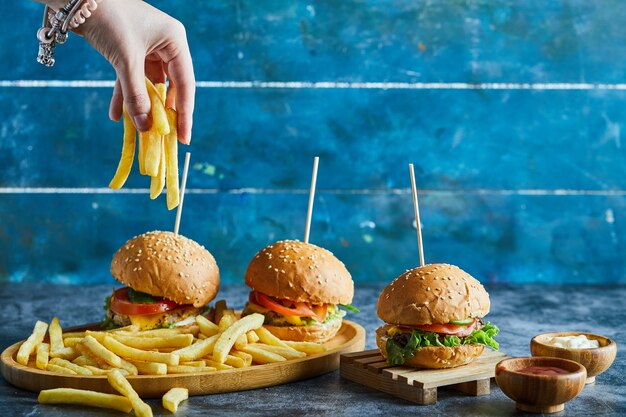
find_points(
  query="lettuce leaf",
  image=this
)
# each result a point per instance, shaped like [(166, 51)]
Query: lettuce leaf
[(484, 336), (350, 308), (403, 346)]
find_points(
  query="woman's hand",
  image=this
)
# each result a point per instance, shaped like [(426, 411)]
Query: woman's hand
[(139, 39)]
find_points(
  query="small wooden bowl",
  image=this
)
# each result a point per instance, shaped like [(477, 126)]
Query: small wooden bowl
[(595, 360), (540, 393)]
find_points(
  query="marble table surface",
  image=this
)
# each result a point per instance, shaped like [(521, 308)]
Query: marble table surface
[(519, 311)]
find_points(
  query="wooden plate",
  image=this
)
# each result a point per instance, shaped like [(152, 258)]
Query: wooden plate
[(350, 338)]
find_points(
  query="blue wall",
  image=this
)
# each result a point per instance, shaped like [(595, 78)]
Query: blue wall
[(520, 183)]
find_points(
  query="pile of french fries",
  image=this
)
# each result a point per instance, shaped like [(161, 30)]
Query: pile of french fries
[(221, 341), (157, 148)]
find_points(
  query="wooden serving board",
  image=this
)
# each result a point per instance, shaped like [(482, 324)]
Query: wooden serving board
[(350, 338), (419, 386)]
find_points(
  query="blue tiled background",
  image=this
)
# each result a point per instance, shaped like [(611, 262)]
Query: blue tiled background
[(517, 185)]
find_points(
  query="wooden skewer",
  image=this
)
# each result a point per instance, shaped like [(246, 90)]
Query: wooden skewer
[(183, 185), (416, 209), (309, 213)]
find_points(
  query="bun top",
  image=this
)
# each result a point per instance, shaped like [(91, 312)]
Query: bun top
[(432, 294), (300, 272), (166, 265)]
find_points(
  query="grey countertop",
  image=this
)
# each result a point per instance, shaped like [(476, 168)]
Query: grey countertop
[(520, 312)]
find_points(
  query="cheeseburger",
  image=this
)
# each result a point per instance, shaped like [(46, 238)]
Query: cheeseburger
[(299, 288), (434, 317), (168, 280)]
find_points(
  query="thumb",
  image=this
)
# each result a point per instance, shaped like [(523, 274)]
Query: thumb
[(136, 99)]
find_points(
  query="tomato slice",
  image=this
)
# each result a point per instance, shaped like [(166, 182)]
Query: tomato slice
[(120, 304), (453, 329), (299, 309), (320, 312)]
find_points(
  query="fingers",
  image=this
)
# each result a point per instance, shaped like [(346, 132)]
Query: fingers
[(132, 80), (182, 79), (115, 108)]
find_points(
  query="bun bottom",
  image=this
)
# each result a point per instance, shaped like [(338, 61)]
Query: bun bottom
[(318, 333), (434, 357)]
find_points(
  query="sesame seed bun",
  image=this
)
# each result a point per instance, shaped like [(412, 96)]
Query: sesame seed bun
[(166, 265), (432, 294), (318, 333), (300, 272), (434, 357)]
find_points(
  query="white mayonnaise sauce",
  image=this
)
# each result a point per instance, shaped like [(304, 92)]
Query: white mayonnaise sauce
[(572, 342)]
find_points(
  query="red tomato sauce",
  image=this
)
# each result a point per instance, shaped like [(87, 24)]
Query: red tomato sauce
[(542, 370)]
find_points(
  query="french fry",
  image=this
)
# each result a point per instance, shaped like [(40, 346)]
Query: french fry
[(29, 346), (41, 360), (69, 353), (285, 352), (234, 361), (83, 397), (161, 88), (220, 306), (193, 363), (252, 336), (84, 360), (268, 338), (241, 342), (150, 368), (154, 137), (171, 160), (71, 341), (228, 338), (246, 357), (69, 365), (219, 366), (95, 370), (174, 341), (306, 347), (129, 367), (100, 352), (262, 356), (152, 151), (158, 182), (56, 335), (60, 369), (128, 153), (117, 381), (159, 118), (197, 350), (180, 369), (141, 153), (207, 327), (173, 397), (79, 335), (227, 320), (138, 354)]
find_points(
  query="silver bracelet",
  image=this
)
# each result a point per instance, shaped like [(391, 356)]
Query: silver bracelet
[(55, 26)]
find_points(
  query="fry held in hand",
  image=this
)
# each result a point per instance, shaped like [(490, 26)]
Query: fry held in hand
[(171, 161), (157, 148), (128, 154)]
